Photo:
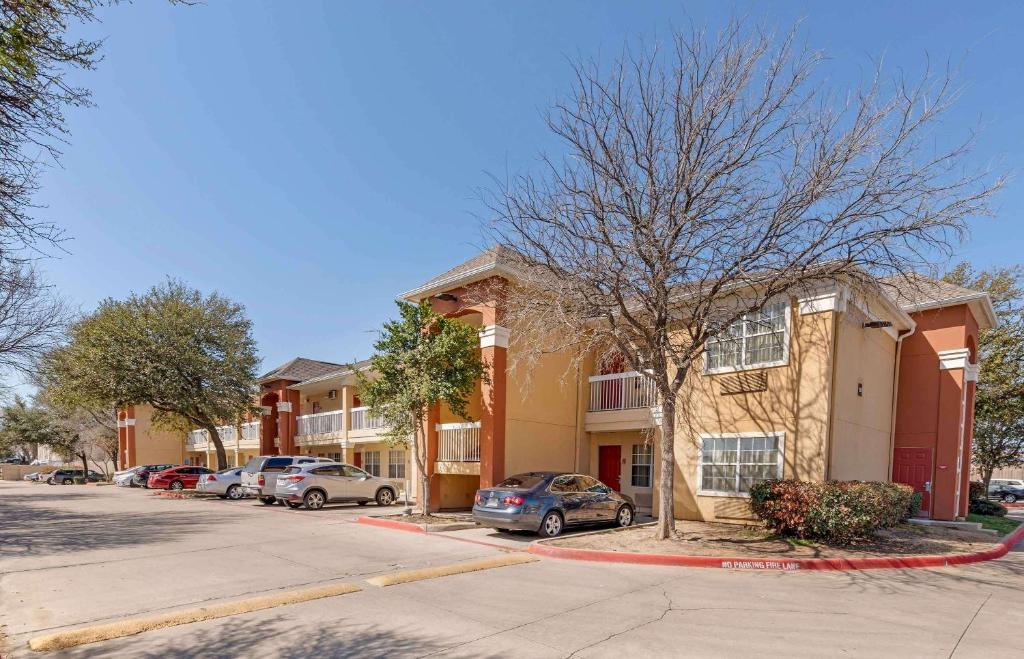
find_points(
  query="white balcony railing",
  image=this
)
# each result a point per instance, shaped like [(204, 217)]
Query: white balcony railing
[(458, 442), (321, 423), (227, 434), (196, 440), (251, 433), (361, 419), (621, 391)]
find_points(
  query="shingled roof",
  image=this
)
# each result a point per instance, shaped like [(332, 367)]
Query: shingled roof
[(916, 292), (490, 261), (300, 369)]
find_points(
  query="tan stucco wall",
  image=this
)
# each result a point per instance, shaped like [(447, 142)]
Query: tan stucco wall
[(326, 404), (457, 491), (156, 445), (862, 423), (541, 431), (796, 402)]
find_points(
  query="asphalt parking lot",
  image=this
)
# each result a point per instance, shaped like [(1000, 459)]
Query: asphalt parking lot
[(73, 556)]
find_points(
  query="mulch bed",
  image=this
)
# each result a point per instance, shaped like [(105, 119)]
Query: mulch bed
[(436, 522), (730, 540)]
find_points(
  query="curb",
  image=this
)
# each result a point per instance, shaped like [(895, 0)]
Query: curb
[(392, 524), (540, 548)]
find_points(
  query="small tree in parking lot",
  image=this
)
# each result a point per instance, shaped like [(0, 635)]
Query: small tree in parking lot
[(420, 360)]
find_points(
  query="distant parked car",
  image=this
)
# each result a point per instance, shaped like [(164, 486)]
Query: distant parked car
[(30, 476), (141, 477), (124, 477), (260, 474), (176, 478), (547, 502), (1008, 490), (227, 483), (313, 485), (68, 476)]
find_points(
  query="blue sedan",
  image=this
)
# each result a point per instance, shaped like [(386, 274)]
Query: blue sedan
[(546, 502)]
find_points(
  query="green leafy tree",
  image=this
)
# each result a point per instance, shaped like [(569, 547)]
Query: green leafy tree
[(999, 395), (188, 355), (420, 360), (23, 428), (40, 425)]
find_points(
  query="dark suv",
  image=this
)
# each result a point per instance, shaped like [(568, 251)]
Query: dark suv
[(68, 476), (141, 477)]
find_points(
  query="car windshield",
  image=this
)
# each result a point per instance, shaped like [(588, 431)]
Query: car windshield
[(520, 482)]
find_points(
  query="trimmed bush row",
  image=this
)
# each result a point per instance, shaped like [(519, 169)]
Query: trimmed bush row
[(832, 511)]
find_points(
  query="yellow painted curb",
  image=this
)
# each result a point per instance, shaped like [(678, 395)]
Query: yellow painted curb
[(131, 626), (448, 570)]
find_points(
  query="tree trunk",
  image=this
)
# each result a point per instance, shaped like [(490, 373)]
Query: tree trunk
[(987, 479), (420, 451), (85, 466), (667, 471), (222, 456)]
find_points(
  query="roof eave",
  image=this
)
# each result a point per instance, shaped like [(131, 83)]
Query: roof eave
[(455, 281)]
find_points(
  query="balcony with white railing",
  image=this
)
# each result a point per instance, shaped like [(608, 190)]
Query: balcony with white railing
[(197, 440), (322, 427), (364, 425), (250, 434), (458, 448), (621, 401)]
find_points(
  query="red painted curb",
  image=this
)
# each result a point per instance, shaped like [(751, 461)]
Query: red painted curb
[(748, 563), (392, 524)]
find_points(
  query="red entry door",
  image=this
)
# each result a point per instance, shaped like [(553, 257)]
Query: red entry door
[(357, 459), (609, 459), (913, 467)]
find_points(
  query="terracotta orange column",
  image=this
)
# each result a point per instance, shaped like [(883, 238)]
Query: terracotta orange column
[(129, 429), (950, 432), (494, 353), (268, 430), (122, 440), (433, 481), (287, 410)]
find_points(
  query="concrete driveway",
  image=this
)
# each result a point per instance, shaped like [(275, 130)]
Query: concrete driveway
[(76, 555)]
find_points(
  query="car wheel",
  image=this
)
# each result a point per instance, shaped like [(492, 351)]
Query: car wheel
[(268, 501), (314, 500), (552, 525), (177, 486), (293, 505), (1009, 498), (385, 497), (67, 481), (50, 481), (624, 517), (235, 492)]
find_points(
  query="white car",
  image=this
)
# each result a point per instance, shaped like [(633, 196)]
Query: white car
[(226, 483), (124, 478), (313, 485)]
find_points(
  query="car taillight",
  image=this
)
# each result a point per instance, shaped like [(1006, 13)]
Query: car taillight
[(479, 499), (262, 481), (291, 479), (513, 500), (210, 477)]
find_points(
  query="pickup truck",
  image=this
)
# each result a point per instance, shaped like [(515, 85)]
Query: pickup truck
[(259, 477)]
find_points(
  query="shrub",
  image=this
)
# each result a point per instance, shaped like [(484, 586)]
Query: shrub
[(833, 511), (915, 504), (986, 507), (977, 491)]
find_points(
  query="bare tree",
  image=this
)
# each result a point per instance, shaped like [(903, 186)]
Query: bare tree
[(701, 182), (32, 318)]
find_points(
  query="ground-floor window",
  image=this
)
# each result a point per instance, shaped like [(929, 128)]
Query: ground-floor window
[(371, 462), (643, 458), (730, 464), (396, 464), (334, 456)]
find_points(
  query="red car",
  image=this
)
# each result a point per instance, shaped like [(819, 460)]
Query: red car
[(177, 478)]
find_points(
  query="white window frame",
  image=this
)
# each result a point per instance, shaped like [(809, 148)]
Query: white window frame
[(780, 460), (404, 462), (649, 465), (787, 337)]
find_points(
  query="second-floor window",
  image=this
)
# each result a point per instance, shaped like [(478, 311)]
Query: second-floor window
[(758, 339)]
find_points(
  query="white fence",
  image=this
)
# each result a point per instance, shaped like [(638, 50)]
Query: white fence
[(621, 391), (251, 433), (361, 419), (321, 423), (458, 442)]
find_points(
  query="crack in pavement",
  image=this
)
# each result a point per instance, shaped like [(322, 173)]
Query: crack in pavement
[(971, 622)]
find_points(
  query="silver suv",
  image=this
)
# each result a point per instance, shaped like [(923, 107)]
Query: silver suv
[(313, 485), (260, 473)]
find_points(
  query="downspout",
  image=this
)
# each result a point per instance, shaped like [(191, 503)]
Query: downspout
[(895, 393)]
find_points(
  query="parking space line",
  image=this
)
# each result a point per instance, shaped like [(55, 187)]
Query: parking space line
[(408, 576), (132, 626)]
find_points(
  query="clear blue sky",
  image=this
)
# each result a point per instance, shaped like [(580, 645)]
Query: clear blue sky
[(314, 159)]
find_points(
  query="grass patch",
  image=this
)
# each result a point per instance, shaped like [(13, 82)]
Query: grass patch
[(801, 542), (1001, 525)]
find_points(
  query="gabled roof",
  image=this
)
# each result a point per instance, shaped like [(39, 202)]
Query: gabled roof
[(916, 292), (300, 369), (492, 261), (336, 372)]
